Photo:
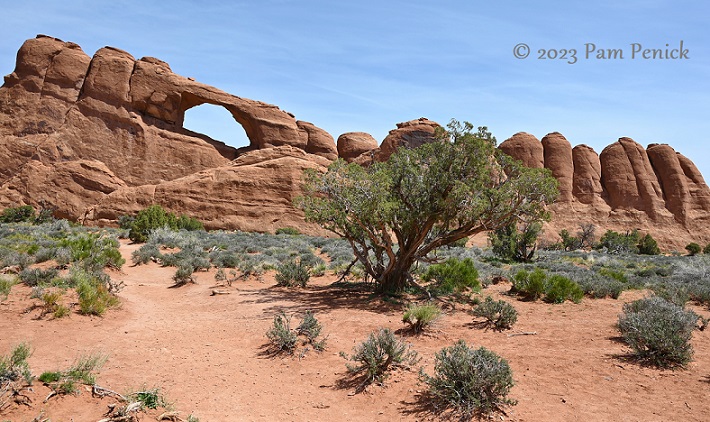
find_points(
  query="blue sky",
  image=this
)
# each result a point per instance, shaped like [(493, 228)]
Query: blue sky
[(366, 65)]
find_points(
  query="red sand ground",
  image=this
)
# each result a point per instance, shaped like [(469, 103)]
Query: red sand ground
[(206, 353)]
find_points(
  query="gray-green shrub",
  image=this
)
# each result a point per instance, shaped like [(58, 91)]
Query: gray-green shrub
[(377, 355), (658, 331), (469, 381), (499, 314), (292, 273)]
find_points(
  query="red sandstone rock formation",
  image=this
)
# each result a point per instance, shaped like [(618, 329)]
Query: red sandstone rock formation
[(626, 187), (61, 109), (255, 192), (526, 148), (353, 144), (409, 134), (558, 158), (99, 137)]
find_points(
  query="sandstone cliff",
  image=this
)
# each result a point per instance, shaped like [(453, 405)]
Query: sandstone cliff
[(658, 190), (74, 129), (98, 137)]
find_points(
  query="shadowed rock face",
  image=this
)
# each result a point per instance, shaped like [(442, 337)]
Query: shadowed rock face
[(625, 187)]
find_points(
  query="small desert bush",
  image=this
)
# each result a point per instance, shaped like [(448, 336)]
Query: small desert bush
[(183, 275), (5, 287), (530, 285), (14, 367), (377, 355), (82, 371), (658, 331), (289, 231), (146, 254), (155, 217), (94, 251), (554, 289), (648, 246), (149, 398), (284, 339), (420, 317), (292, 273), (693, 248), (618, 243), (281, 336), (469, 381), (36, 276), (25, 213), (706, 249), (94, 295), (311, 328), (51, 304), (453, 275), (560, 289), (498, 314)]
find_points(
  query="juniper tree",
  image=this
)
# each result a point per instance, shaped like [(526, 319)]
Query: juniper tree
[(397, 212)]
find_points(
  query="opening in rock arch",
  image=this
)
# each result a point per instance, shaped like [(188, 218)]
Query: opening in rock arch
[(217, 123)]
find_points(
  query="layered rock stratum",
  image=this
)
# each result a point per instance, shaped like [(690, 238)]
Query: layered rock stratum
[(98, 137)]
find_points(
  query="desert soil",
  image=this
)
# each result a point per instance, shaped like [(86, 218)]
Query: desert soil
[(208, 355)]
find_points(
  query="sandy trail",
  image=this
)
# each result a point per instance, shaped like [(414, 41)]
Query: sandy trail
[(207, 355)]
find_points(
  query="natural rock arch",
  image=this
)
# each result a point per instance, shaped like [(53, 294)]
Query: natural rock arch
[(190, 101)]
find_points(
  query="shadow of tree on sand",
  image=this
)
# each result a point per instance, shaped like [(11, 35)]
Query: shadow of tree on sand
[(320, 299)]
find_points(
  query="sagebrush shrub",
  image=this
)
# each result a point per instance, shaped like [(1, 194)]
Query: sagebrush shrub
[(420, 317), (183, 275), (311, 329), (499, 314), (292, 273), (381, 352), (36, 276), (288, 230), (469, 381), (658, 332), (285, 339), (453, 275)]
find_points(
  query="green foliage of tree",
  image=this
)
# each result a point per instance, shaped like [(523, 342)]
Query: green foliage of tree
[(648, 246), (397, 212), (512, 244), (453, 275), (706, 249), (25, 213), (618, 243), (155, 217), (693, 248), (569, 242)]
